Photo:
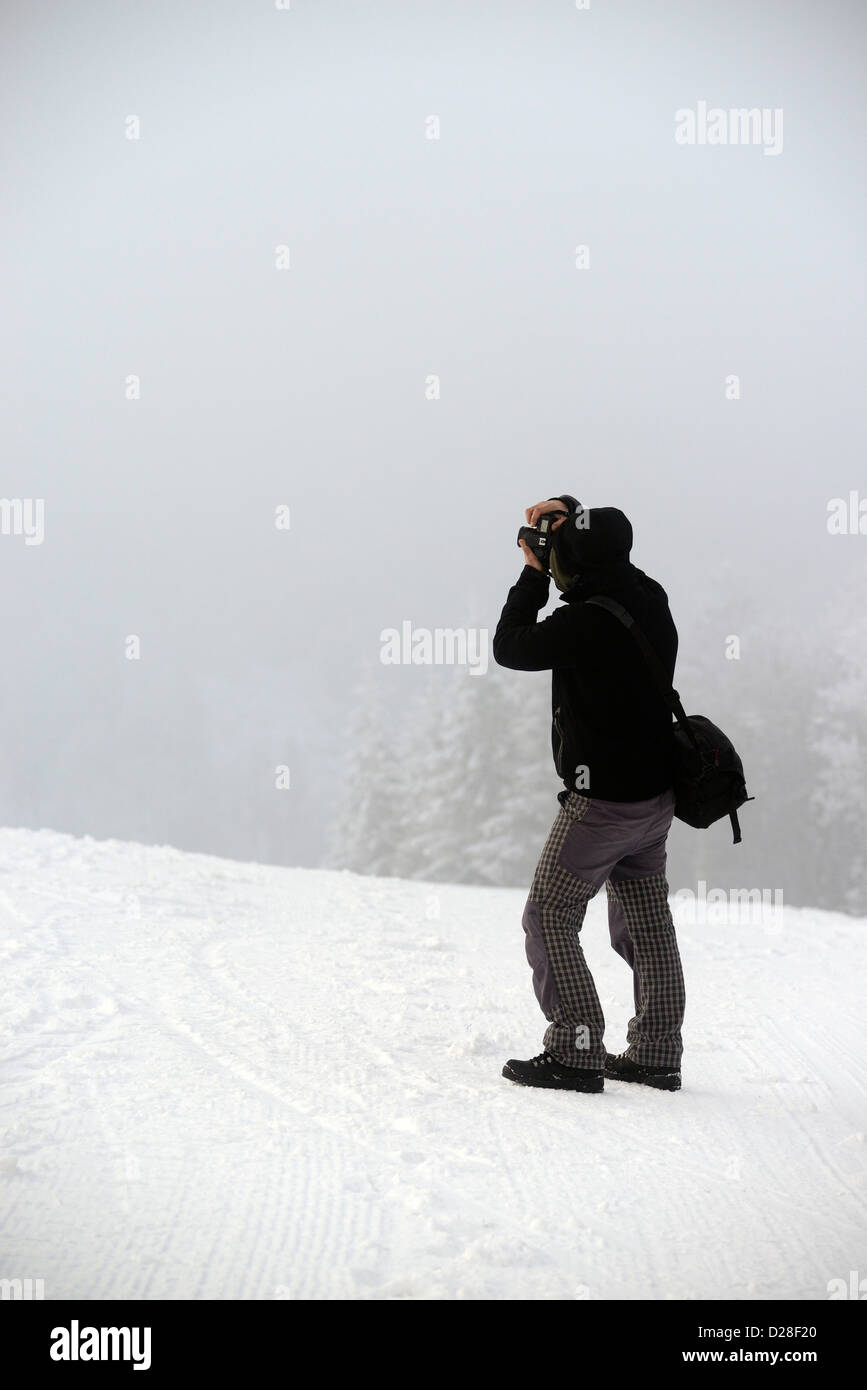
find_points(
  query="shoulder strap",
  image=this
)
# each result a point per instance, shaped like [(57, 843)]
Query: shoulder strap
[(658, 671), (660, 675)]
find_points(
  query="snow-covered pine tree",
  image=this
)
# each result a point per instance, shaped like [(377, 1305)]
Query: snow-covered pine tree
[(520, 784), (376, 790), (838, 742), (439, 824)]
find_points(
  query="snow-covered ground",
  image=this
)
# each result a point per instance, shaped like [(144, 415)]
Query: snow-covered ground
[(225, 1080)]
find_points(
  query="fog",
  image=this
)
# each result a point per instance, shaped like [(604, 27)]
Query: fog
[(337, 273)]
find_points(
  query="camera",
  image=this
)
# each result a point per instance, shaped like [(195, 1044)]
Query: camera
[(538, 538)]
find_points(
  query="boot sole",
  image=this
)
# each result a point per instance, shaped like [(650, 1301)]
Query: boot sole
[(669, 1081), (591, 1086)]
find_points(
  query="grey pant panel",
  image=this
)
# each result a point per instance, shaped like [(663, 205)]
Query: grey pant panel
[(617, 839), (621, 941)]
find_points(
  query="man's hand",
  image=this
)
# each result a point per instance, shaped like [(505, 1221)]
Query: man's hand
[(530, 558), (543, 508)]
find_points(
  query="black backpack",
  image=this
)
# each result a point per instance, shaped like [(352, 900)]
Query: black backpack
[(708, 774)]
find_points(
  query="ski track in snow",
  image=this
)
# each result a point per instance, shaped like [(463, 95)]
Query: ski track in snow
[(228, 1080)]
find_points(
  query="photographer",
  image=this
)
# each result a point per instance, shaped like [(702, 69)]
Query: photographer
[(612, 745)]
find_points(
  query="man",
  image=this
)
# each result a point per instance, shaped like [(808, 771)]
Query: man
[(613, 748)]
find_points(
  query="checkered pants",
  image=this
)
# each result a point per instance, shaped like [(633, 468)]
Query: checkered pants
[(621, 844)]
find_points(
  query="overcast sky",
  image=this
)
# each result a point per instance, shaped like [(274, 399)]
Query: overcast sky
[(409, 257)]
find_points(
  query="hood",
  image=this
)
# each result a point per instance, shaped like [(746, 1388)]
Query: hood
[(591, 543)]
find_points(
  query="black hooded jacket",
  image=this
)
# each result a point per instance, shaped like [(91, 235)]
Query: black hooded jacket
[(608, 714)]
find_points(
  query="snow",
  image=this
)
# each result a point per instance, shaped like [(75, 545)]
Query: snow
[(226, 1080)]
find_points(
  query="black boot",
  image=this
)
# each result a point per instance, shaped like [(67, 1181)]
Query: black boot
[(545, 1070), (660, 1078)]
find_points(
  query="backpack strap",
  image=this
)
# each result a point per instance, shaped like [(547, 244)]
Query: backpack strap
[(658, 671), (736, 829)]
